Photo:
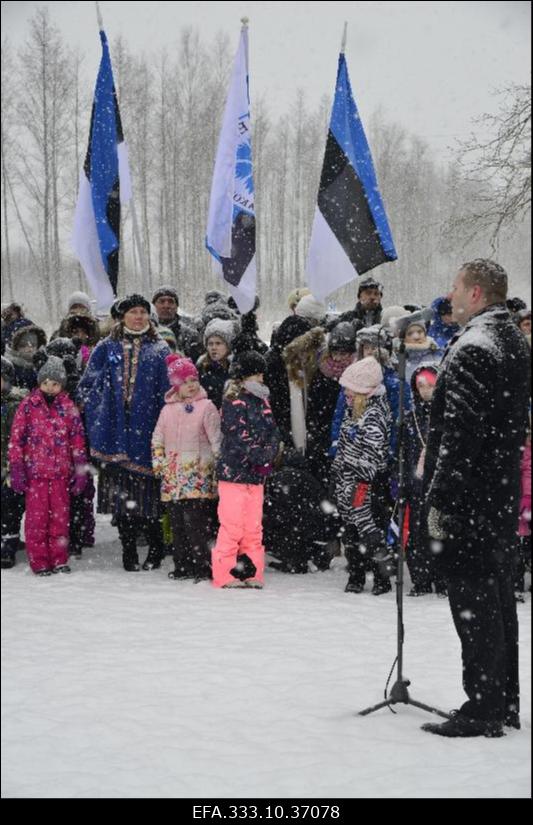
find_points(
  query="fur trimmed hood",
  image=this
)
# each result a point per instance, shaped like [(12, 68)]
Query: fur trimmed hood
[(302, 354), (20, 333), (86, 322)]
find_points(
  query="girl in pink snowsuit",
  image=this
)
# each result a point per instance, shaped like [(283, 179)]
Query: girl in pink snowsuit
[(47, 461), (250, 442), (185, 443)]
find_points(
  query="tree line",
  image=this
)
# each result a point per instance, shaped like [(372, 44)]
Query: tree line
[(171, 108)]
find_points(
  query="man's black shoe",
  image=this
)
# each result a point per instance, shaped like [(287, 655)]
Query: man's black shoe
[(512, 720), (420, 591), (8, 562), (460, 725)]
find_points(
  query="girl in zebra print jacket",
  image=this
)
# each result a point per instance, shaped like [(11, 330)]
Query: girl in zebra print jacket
[(360, 462)]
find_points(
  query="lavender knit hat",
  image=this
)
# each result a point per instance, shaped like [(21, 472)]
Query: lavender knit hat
[(363, 377)]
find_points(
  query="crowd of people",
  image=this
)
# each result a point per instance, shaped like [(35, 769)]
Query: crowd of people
[(205, 442)]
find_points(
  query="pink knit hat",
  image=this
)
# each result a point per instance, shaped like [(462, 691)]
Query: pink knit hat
[(179, 369), (364, 376)]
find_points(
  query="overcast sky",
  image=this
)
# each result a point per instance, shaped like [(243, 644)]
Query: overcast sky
[(432, 66)]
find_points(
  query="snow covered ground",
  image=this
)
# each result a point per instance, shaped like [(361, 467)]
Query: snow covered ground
[(131, 685)]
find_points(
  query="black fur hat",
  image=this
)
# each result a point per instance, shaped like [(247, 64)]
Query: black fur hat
[(131, 301), (62, 347), (247, 363), (342, 338)]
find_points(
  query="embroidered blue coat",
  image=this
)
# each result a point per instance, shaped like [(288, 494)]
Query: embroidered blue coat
[(119, 424)]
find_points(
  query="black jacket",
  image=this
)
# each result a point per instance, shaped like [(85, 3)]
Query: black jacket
[(187, 339), (213, 377), (477, 432), (361, 317)]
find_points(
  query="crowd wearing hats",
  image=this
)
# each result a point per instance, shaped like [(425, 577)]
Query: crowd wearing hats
[(199, 432)]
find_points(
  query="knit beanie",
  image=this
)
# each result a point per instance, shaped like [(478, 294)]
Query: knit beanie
[(420, 324), (52, 370), (165, 292), (179, 369), (132, 301), (218, 309), (342, 338), (392, 314), (376, 336), (79, 298), (214, 296), (426, 374), (294, 297), (310, 307), (363, 376), (247, 363), (227, 330), (369, 283), (62, 348)]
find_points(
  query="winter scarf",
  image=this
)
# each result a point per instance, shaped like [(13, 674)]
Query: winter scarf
[(333, 368)]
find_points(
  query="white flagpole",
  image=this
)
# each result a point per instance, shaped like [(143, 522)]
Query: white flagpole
[(344, 37)]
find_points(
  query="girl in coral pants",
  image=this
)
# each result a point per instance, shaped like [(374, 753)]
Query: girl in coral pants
[(249, 445), (240, 512)]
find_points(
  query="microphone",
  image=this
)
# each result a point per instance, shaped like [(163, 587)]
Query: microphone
[(401, 325)]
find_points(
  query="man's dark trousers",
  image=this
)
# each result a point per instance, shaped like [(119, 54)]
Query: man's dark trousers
[(484, 612)]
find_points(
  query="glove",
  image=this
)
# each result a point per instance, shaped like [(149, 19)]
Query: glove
[(78, 483), (262, 469), (18, 478), (436, 527)]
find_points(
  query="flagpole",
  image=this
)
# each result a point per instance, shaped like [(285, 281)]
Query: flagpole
[(344, 36), (99, 17), (136, 233)]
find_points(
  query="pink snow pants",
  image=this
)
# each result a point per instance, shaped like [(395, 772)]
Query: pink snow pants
[(47, 523), (240, 513)]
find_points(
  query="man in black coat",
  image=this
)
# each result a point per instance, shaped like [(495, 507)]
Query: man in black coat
[(368, 308), (472, 480), (166, 303)]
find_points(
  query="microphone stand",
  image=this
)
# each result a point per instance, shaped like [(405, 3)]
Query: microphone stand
[(399, 693)]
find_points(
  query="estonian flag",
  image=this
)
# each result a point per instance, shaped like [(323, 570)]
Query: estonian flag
[(231, 222), (350, 233), (104, 185)]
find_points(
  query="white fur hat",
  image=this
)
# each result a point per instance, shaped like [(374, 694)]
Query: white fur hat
[(310, 307)]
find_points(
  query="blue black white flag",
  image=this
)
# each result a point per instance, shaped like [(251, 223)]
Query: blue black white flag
[(104, 185), (350, 233), (231, 222)]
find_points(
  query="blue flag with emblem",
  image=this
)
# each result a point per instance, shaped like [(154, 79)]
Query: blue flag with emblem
[(230, 234)]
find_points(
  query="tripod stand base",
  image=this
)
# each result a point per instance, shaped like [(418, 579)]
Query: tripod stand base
[(400, 695)]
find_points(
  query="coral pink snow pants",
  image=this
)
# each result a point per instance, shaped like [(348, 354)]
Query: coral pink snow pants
[(47, 523), (240, 512)]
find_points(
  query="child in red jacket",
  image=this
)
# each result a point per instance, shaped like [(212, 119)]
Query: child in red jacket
[(524, 522), (48, 461)]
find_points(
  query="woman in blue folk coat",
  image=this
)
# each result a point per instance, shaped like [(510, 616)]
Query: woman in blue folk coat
[(122, 393)]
